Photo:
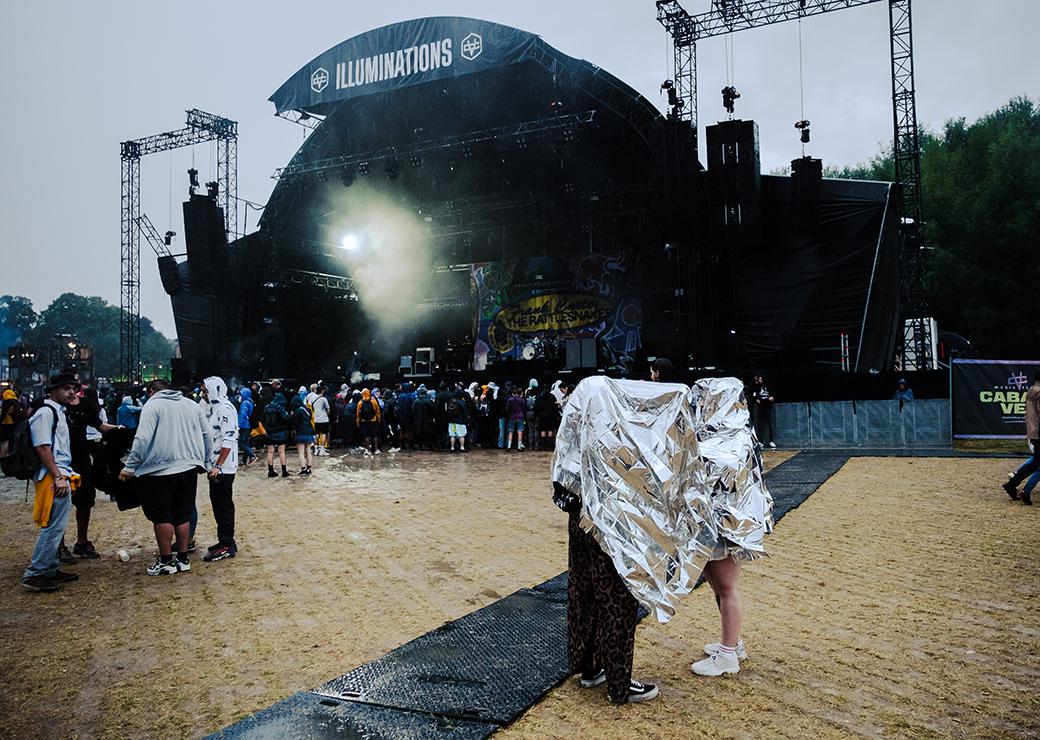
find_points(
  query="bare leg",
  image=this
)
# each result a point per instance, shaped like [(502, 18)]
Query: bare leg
[(164, 538), (281, 454), (183, 536), (723, 577), (270, 456), (302, 449)]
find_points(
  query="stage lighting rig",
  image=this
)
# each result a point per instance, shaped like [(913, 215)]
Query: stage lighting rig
[(193, 181), (347, 176), (729, 96), (674, 101), (213, 189), (803, 127), (168, 237), (392, 169)]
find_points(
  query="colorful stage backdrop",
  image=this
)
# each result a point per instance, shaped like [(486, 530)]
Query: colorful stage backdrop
[(527, 309)]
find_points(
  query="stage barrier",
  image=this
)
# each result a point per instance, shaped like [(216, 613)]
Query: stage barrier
[(880, 424)]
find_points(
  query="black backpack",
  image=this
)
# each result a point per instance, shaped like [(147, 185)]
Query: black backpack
[(21, 461), (368, 410), (456, 410)]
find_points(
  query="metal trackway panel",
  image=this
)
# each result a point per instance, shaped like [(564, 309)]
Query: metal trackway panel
[(488, 666), (475, 674)]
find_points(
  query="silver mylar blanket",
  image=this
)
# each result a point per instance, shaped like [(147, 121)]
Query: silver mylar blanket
[(666, 473)]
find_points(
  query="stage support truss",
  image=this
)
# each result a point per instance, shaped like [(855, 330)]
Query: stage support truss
[(730, 16), (199, 127)]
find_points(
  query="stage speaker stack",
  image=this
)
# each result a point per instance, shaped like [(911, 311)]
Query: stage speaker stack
[(735, 180), (170, 275), (405, 365), (423, 361), (206, 244), (806, 182)]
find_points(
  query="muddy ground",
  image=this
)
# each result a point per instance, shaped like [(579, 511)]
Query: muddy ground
[(901, 599)]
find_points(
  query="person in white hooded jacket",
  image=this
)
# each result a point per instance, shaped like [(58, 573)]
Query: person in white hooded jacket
[(221, 466)]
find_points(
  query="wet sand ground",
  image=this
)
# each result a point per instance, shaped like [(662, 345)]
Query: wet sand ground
[(901, 599)]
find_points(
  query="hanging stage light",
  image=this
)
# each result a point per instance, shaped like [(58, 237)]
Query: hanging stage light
[(803, 126), (729, 95)]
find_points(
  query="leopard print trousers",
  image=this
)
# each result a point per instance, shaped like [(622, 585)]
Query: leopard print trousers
[(601, 613)]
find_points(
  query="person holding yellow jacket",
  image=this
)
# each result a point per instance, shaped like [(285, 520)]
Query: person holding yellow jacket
[(54, 484)]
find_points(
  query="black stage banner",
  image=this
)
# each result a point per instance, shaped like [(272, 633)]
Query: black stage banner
[(989, 398), (403, 54)]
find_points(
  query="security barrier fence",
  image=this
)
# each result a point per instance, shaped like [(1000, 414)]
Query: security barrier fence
[(924, 423)]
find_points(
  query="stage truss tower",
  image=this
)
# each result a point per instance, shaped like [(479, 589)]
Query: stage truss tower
[(200, 127), (729, 16)]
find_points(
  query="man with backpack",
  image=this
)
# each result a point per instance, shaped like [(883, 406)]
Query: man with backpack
[(369, 418), (55, 481)]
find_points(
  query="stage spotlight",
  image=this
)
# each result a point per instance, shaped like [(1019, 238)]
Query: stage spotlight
[(803, 127), (415, 160), (213, 189), (193, 177), (349, 242), (467, 151), (168, 239), (729, 95), (362, 168)]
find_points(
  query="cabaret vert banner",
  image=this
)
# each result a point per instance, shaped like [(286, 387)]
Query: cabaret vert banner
[(395, 56), (527, 309), (989, 398)]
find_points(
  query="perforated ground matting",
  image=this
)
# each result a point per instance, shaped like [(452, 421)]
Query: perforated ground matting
[(476, 674)]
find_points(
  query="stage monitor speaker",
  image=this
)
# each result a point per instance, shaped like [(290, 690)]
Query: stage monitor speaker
[(424, 354), (806, 183), (170, 275), (404, 367), (422, 368), (580, 353)]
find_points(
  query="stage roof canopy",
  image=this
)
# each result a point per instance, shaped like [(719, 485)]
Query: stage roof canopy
[(408, 53)]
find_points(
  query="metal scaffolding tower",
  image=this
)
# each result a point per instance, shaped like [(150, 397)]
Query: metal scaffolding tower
[(199, 127), (729, 16)]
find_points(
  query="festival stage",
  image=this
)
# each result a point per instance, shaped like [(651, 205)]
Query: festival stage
[(520, 211)]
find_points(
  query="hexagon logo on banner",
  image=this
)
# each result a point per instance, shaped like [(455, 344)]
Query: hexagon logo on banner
[(319, 80), (471, 46)]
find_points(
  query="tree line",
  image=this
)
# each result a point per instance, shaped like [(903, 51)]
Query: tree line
[(980, 187), (93, 321)]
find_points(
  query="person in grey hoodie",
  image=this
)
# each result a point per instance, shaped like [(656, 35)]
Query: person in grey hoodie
[(221, 466), (171, 448)]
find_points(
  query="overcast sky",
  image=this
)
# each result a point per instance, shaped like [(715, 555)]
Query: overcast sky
[(78, 78)]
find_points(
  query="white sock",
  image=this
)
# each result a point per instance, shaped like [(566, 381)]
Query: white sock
[(727, 648)]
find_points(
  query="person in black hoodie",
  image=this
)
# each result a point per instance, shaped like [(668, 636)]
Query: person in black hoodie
[(304, 428), (276, 424), (425, 418), (84, 411), (441, 403)]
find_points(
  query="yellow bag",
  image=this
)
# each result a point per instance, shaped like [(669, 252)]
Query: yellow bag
[(258, 430)]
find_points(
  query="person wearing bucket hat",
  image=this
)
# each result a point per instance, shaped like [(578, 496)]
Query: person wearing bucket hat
[(55, 481)]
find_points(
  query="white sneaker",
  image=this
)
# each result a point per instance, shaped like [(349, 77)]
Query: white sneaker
[(159, 568), (717, 664), (772, 445), (379, 452), (715, 647)]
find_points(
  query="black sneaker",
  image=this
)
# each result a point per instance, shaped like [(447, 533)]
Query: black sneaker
[(61, 576), (40, 583), (192, 547), (86, 550), (303, 471), (592, 679), (1010, 489), (214, 548), (638, 692), (65, 557), (1027, 497), (221, 553)]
